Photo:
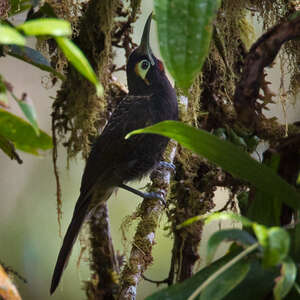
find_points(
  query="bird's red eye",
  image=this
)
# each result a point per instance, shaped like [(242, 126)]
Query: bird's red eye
[(160, 66)]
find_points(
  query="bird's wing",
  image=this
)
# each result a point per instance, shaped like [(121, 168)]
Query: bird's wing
[(111, 148)]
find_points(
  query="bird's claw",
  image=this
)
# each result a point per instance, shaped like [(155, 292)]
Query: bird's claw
[(168, 165), (155, 195)]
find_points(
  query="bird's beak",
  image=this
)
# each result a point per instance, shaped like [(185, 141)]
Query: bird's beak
[(144, 47)]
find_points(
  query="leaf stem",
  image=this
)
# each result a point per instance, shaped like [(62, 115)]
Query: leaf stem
[(222, 270)]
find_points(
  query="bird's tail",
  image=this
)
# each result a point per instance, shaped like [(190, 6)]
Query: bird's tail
[(69, 240)]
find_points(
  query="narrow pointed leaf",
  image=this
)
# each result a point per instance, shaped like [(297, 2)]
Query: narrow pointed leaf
[(22, 134), (184, 32), (34, 58), (241, 237), (79, 61), (28, 109), (216, 216), (286, 280), (229, 157), (47, 26), (9, 35)]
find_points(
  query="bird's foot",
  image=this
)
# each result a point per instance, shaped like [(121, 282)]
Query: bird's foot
[(151, 195), (168, 165), (155, 195)]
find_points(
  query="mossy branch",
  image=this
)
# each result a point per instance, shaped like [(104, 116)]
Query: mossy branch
[(144, 239)]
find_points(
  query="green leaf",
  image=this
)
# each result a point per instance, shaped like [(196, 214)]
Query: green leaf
[(216, 216), (184, 32), (227, 281), (220, 274), (47, 26), (278, 246), (237, 235), (229, 157), (8, 148), (79, 61), (184, 289), (228, 216), (34, 58), (22, 134), (28, 109), (265, 209), (9, 35), (286, 280), (257, 284), (261, 233)]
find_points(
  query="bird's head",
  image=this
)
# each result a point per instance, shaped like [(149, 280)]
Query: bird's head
[(144, 70)]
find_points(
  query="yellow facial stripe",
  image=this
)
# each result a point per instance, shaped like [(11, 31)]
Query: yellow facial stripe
[(139, 71)]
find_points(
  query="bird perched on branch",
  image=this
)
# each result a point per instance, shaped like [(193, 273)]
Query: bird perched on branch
[(113, 160)]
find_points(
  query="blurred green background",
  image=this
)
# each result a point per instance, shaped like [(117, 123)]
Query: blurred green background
[(28, 220)]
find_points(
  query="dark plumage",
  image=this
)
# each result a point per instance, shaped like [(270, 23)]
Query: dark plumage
[(113, 160)]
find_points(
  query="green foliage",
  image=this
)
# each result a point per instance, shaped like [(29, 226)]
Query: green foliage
[(239, 236), (47, 26), (286, 280), (79, 61), (15, 38), (184, 31), (229, 157), (9, 35), (270, 246), (30, 113), (22, 134), (228, 280)]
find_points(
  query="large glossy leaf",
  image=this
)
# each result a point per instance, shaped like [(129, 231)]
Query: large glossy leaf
[(185, 289), (34, 58), (228, 280), (22, 134), (229, 157), (47, 26), (79, 61), (184, 32), (240, 236), (287, 279), (9, 35), (257, 284)]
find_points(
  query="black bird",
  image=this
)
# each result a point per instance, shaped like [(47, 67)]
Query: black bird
[(114, 161)]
